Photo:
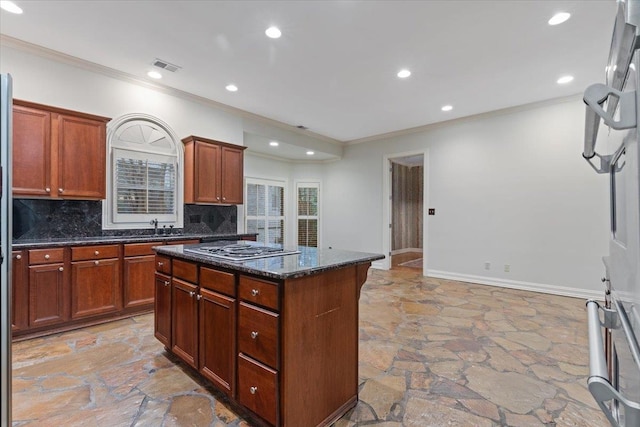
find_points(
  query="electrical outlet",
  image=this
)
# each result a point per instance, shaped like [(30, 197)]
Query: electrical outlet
[(487, 265), (507, 268)]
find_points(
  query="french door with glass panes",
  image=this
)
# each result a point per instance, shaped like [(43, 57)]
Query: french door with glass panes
[(264, 210)]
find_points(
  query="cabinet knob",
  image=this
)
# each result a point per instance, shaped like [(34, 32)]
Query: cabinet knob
[(255, 292), (191, 294), (253, 389), (224, 198), (18, 256), (96, 262), (60, 268), (48, 190), (96, 253), (254, 335), (166, 283), (198, 297), (218, 198), (160, 264), (60, 190), (47, 256)]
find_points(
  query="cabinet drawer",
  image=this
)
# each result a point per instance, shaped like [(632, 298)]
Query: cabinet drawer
[(257, 388), (183, 242), (45, 256), (219, 281), (259, 292), (163, 264), (82, 253), (258, 334), (185, 270), (137, 249)]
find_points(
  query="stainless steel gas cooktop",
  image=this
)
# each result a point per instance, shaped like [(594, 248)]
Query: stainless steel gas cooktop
[(241, 252)]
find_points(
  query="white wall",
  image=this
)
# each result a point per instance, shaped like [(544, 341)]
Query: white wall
[(508, 188)]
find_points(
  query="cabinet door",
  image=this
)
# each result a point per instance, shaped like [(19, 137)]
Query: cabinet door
[(184, 328), (95, 287), (31, 152), (207, 173), (82, 155), (48, 295), (162, 309), (19, 292), (232, 173), (139, 274), (217, 339)]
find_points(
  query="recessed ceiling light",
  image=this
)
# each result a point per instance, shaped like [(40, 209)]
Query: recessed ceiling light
[(154, 75), (447, 107), (559, 18), (274, 143), (564, 80), (232, 88), (10, 6), (403, 74), (310, 153), (273, 32)]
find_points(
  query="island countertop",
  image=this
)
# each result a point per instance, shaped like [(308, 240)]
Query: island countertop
[(308, 262)]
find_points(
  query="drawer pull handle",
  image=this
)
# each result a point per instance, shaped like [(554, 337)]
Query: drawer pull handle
[(253, 389), (60, 268), (255, 292), (254, 335), (48, 190), (47, 256), (18, 256), (96, 253), (96, 262), (166, 283)]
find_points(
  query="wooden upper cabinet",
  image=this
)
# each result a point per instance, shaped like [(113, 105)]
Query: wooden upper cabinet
[(213, 172), (58, 153)]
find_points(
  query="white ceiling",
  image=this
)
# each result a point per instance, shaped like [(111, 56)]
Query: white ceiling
[(334, 68)]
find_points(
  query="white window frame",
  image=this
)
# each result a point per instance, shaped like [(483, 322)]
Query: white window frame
[(284, 217), (111, 220), (309, 184)]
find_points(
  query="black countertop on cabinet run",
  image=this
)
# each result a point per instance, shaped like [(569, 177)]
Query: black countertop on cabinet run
[(309, 261), (99, 240)]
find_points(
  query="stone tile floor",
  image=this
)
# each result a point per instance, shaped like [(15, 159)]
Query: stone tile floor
[(432, 353)]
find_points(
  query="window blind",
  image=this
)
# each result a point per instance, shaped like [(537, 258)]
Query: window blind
[(145, 186), (308, 214)]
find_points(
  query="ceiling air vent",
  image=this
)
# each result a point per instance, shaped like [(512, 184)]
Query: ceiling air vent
[(165, 65)]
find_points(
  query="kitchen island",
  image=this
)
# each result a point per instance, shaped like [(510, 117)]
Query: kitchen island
[(278, 335)]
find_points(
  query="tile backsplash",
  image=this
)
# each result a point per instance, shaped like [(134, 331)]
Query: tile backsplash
[(44, 219)]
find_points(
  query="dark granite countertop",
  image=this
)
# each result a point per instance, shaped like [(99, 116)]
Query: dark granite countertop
[(309, 261), (98, 240)]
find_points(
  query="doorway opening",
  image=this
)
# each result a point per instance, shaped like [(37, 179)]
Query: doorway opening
[(406, 212)]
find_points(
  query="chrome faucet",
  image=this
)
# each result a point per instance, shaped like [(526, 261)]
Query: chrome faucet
[(154, 222)]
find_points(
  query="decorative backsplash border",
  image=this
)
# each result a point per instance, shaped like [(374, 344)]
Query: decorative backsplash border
[(45, 219)]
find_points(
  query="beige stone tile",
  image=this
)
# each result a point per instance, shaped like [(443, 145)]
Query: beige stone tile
[(482, 407), (421, 412), (382, 393), (189, 411)]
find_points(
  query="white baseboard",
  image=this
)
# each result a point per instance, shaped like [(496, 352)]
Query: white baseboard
[(514, 284), (380, 265)]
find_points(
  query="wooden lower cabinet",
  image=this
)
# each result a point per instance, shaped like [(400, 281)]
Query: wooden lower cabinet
[(162, 309), (19, 291), (217, 326), (95, 287), (184, 321), (48, 295), (258, 388), (138, 281)]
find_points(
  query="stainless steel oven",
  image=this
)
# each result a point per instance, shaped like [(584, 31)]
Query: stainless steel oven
[(614, 327)]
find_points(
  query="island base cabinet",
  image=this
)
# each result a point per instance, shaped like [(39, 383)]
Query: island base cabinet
[(257, 388), (47, 295), (184, 326), (217, 339), (162, 310)]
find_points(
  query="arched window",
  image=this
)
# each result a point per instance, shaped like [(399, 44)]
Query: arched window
[(145, 174)]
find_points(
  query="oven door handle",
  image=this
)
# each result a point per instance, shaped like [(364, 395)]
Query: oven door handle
[(598, 382)]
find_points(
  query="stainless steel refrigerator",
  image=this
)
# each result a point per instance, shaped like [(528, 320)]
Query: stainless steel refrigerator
[(614, 327), (6, 217)]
